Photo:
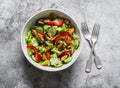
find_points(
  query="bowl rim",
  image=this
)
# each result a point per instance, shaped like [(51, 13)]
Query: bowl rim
[(43, 67)]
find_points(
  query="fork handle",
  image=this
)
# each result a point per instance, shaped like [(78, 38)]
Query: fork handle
[(89, 64), (96, 58), (97, 62)]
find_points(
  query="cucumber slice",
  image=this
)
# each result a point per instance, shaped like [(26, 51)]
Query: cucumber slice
[(76, 43), (52, 31), (46, 28), (33, 58), (68, 60), (39, 29), (46, 62), (73, 49), (30, 52), (59, 64), (49, 43)]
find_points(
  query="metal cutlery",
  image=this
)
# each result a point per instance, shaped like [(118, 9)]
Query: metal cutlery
[(92, 39), (87, 36), (89, 63)]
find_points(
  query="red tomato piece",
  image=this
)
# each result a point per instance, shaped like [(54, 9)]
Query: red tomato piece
[(66, 52), (37, 57), (32, 47), (62, 35), (55, 23)]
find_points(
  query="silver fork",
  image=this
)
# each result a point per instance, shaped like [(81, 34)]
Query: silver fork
[(87, 36), (94, 38)]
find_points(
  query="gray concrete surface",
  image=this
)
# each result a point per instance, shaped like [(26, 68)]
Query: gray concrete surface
[(17, 72)]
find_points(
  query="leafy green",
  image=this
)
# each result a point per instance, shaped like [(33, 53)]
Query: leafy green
[(54, 55), (42, 49), (28, 36), (31, 40), (46, 27), (34, 42), (64, 27), (43, 63), (54, 61), (52, 16), (49, 43), (74, 36), (30, 52), (55, 50)]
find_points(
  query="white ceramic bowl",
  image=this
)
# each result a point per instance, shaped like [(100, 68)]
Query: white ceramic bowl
[(32, 21)]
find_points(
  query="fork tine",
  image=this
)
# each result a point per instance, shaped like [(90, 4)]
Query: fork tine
[(95, 32), (97, 29), (84, 28), (84, 32)]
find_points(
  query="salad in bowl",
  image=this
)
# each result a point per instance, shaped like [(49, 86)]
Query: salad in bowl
[(51, 42)]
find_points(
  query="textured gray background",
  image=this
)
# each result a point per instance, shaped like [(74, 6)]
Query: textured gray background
[(17, 72)]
